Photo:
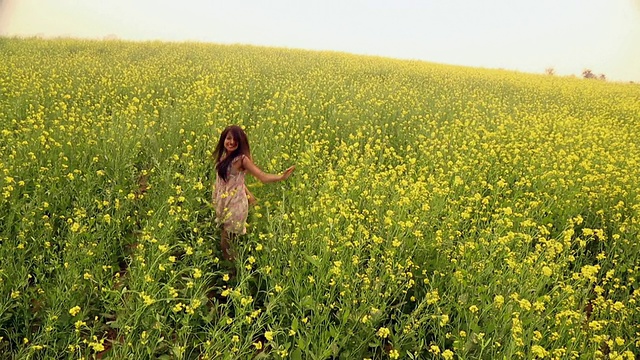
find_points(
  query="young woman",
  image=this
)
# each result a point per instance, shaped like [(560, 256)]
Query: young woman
[(231, 197)]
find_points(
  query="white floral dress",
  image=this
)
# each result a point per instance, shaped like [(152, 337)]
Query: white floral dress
[(230, 200)]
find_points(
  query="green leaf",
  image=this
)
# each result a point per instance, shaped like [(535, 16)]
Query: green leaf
[(302, 344), (333, 332), (345, 315), (296, 354), (335, 349), (313, 261), (307, 302)]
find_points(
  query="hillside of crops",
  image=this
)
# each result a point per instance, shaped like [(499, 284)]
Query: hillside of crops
[(436, 212)]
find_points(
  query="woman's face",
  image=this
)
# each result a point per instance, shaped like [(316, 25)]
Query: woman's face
[(230, 143)]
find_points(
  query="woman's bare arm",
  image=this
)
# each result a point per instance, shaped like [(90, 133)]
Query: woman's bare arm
[(263, 177)]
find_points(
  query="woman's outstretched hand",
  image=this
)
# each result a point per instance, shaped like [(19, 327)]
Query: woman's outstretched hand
[(285, 175), (264, 178)]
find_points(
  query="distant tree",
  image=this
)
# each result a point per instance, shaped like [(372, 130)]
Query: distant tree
[(550, 71), (602, 77), (588, 74)]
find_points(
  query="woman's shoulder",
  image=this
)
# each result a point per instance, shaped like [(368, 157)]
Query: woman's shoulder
[(238, 158)]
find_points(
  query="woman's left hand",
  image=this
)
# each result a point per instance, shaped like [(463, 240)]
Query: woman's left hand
[(288, 172)]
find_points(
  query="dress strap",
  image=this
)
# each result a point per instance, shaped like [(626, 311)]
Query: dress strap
[(238, 158)]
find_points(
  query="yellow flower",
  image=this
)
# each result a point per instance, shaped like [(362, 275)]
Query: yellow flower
[(432, 297), (394, 354), (539, 351), (618, 306), (268, 335), (258, 345), (383, 332), (74, 310), (173, 292), (97, 346), (447, 354), (537, 335), (546, 271), (148, 300), (246, 301), (177, 307), (525, 304), (75, 227)]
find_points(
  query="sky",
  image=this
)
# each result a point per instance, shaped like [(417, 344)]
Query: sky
[(523, 35)]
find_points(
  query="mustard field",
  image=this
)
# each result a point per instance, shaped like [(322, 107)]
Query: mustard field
[(436, 212)]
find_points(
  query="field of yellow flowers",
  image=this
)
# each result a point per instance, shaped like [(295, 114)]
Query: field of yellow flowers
[(436, 211)]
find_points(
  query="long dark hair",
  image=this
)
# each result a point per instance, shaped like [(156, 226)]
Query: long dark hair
[(240, 137)]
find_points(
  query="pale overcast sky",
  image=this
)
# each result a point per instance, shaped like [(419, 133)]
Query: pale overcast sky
[(524, 35)]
